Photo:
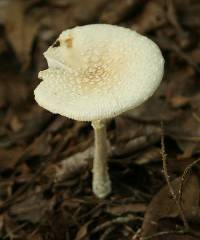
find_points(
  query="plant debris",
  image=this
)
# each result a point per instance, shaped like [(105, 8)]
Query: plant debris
[(45, 159)]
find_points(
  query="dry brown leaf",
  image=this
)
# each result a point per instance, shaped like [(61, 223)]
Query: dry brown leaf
[(134, 137), (3, 46), (174, 237), (84, 15), (181, 83), (82, 232), (115, 11), (61, 3), (186, 132), (148, 112), (74, 164), (8, 157), (118, 210), (2, 222), (42, 136), (163, 206), (75, 13), (190, 15), (36, 120), (35, 236), (3, 8), (166, 43), (195, 55), (31, 208), (183, 37), (21, 30), (8, 95), (150, 155), (179, 101), (10, 226), (151, 18)]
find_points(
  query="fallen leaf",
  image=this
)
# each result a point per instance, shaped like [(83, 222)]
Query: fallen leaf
[(133, 137), (11, 227), (21, 30), (152, 17), (8, 94), (2, 222), (179, 101), (150, 155), (75, 13), (82, 232), (118, 210), (115, 11), (30, 209), (36, 120), (190, 15), (172, 15), (186, 131), (195, 55), (3, 7), (163, 206), (74, 164), (8, 157), (148, 112)]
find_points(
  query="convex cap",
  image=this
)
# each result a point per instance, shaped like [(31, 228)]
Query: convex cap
[(99, 71)]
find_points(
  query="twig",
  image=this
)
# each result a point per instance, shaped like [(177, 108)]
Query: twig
[(104, 236), (137, 235), (180, 232), (185, 174), (196, 116), (118, 220), (167, 178), (13, 233)]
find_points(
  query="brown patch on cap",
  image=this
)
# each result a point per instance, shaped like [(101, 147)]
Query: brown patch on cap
[(69, 42)]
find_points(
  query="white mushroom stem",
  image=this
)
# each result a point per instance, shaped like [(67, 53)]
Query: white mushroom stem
[(101, 182)]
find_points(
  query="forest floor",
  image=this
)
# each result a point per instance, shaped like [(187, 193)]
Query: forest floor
[(46, 159)]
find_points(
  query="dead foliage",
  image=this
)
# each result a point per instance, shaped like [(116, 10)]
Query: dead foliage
[(46, 160)]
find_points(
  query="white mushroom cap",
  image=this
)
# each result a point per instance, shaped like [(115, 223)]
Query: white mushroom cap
[(99, 71)]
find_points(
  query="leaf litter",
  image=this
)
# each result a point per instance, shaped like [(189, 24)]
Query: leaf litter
[(45, 159)]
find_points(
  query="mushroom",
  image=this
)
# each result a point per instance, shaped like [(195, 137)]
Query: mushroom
[(97, 72)]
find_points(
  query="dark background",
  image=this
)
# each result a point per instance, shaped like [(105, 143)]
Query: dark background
[(45, 182)]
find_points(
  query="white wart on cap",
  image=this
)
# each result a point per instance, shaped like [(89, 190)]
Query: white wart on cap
[(99, 71)]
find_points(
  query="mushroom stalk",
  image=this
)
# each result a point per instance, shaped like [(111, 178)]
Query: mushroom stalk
[(101, 182)]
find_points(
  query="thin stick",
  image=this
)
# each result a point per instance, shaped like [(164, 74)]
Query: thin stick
[(185, 174), (167, 178), (119, 220), (181, 232)]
